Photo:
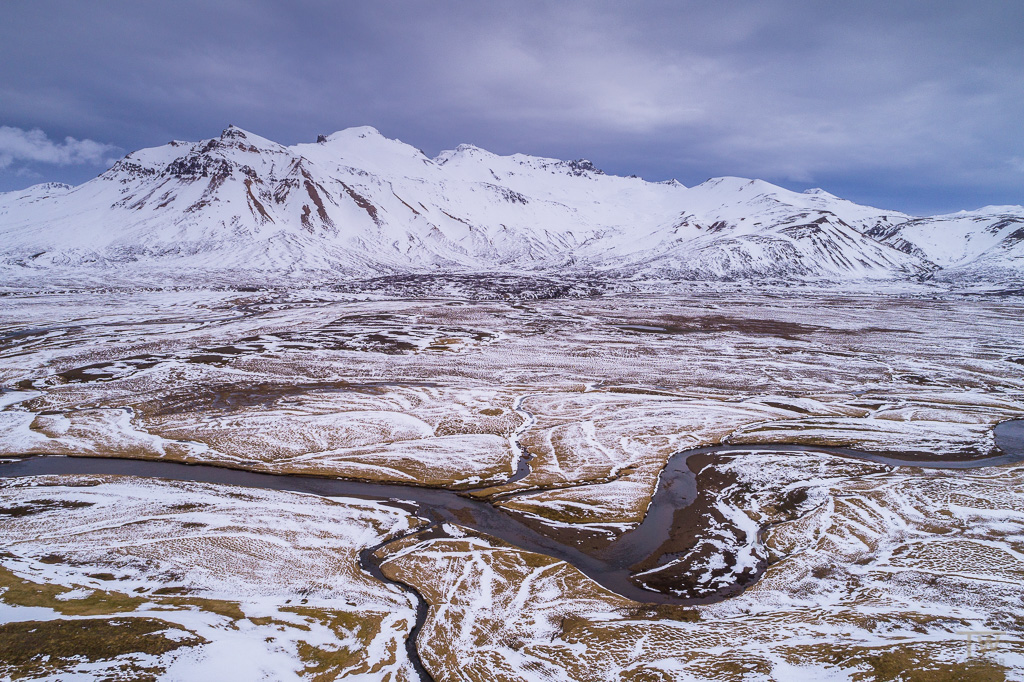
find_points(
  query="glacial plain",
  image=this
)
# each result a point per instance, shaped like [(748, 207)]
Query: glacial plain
[(575, 480)]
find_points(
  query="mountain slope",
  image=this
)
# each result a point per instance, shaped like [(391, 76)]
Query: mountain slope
[(358, 203), (983, 244)]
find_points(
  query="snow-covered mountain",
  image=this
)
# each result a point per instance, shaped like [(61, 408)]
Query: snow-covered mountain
[(983, 244), (358, 203)]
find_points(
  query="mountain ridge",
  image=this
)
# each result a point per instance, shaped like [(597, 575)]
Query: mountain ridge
[(356, 203)]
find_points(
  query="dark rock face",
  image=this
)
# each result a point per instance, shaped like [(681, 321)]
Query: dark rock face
[(204, 165), (580, 167)]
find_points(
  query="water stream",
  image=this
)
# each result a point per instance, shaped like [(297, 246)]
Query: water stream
[(676, 490)]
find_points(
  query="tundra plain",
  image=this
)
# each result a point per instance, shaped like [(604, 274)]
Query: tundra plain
[(561, 411)]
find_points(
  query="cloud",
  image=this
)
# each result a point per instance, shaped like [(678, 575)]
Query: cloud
[(911, 100), (33, 146)]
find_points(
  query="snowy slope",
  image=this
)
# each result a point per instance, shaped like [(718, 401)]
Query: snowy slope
[(358, 203), (983, 244), (735, 227)]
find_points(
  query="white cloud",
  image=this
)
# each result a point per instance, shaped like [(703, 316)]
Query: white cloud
[(17, 145)]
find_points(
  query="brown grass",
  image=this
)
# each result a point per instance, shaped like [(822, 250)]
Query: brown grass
[(33, 648)]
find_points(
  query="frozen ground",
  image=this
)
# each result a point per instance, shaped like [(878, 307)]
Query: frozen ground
[(873, 576), (871, 568), (259, 584)]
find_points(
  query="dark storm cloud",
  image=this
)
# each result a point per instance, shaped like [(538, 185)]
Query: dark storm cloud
[(914, 105)]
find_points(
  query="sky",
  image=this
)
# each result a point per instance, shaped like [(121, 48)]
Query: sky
[(913, 105)]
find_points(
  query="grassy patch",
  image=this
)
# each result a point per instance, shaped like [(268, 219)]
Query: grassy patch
[(663, 612), (21, 592), (329, 663), (909, 663), (39, 506), (228, 609), (39, 647), (904, 666)]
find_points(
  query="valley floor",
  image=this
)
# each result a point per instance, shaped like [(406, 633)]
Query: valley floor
[(563, 412)]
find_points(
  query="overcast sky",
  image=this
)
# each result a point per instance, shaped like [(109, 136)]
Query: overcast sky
[(908, 104)]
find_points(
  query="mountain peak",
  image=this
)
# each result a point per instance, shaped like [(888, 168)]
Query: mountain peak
[(356, 133), (235, 137), (233, 132), (461, 153), (366, 138), (364, 131), (744, 186), (362, 146)]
